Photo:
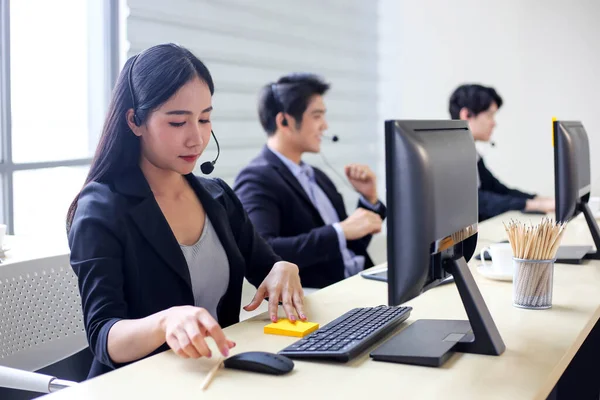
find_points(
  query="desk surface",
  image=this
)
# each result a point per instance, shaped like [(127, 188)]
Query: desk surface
[(539, 346)]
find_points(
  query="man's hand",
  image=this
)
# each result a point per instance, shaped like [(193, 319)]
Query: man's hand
[(363, 180), (542, 204), (361, 223)]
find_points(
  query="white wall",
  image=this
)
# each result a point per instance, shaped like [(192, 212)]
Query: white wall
[(542, 56)]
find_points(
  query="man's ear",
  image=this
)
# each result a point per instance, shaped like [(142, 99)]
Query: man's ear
[(292, 125), (281, 120), (465, 113), (285, 122), (130, 122)]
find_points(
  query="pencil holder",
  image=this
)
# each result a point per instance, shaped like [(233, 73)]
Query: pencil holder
[(532, 283)]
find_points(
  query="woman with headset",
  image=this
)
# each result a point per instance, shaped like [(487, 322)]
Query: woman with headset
[(160, 254)]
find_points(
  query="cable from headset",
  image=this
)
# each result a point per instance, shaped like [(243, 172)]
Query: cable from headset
[(345, 181)]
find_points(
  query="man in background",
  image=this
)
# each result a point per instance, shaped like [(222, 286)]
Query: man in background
[(295, 206), (478, 105)]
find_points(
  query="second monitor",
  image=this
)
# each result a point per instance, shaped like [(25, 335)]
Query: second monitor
[(572, 185), (432, 232)]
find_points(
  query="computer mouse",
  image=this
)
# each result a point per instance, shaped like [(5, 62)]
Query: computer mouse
[(260, 361)]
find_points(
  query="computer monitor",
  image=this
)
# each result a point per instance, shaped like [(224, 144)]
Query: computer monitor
[(431, 178), (572, 184)]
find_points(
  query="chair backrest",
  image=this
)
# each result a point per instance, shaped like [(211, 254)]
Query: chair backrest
[(41, 321)]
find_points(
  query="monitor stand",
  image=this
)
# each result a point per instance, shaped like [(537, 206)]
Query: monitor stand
[(575, 254), (432, 342)]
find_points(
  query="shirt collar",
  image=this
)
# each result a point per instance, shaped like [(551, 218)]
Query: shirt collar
[(294, 168)]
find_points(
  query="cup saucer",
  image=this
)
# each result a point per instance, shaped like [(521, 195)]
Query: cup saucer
[(489, 273)]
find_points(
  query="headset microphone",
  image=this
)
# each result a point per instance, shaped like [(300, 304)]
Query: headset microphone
[(493, 144), (208, 166), (333, 138)]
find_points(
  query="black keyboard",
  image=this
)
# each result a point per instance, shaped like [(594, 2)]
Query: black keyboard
[(350, 334)]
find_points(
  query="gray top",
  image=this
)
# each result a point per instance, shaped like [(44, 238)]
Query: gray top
[(209, 269)]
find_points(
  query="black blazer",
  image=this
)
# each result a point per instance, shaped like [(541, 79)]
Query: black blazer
[(284, 215), (494, 197), (130, 265)]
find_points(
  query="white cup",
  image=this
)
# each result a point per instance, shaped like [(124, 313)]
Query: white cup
[(594, 205), (2, 233), (502, 258)]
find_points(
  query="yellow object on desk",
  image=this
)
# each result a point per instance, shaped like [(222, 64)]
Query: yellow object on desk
[(287, 328)]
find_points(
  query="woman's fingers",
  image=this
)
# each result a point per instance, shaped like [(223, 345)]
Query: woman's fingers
[(288, 305), (197, 339), (184, 346), (298, 300), (215, 331)]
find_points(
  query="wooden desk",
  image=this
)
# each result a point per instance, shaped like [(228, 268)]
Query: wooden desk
[(539, 344)]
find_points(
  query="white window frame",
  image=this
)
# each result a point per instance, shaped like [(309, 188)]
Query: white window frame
[(7, 166)]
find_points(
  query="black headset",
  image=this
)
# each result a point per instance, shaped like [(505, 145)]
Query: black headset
[(206, 167), (279, 103), (136, 119)]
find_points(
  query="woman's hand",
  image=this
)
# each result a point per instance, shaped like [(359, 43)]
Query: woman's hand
[(185, 329), (281, 285)]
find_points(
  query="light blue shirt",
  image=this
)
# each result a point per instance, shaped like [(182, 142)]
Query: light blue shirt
[(305, 175)]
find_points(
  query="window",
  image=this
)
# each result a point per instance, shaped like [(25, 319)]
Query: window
[(59, 62)]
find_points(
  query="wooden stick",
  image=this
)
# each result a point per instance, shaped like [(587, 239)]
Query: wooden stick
[(543, 234), (526, 282), (518, 280), (552, 242), (537, 245), (520, 241), (535, 277), (547, 235), (542, 252), (542, 285), (558, 239), (511, 240), (530, 238), (526, 243), (523, 273), (546, 285), (211, 375), (525, 277)]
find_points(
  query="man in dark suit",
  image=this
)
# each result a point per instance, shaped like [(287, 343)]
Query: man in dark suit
[(295, 206), (478, 105)]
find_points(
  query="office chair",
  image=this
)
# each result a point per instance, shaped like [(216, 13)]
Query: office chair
[(42, 334)]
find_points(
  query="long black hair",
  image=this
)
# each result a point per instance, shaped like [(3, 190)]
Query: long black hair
[(147, 81)]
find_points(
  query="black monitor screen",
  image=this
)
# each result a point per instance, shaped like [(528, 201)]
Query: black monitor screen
[(582, 151), (452, 164), (431, 178), (572, 175)]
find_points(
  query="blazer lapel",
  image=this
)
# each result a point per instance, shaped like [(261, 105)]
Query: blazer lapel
[(289, 178), (152, 223)]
